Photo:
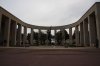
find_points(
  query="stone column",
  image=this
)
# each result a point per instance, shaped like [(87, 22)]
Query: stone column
[(31, 37), (81, 34), (92, 30), (25, 36), (0, 28), (47, 41), (39, 36), (7, 31), (14, 33), (70, 36), (50, 36), (19, 34), (63, 37), (55, 37), (97, 14), (0, 22), (86, 32), (77, 35)]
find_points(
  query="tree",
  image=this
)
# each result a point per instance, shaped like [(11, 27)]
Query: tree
[(28, 37), (43, 38), (59, 36), (36, 37), (66, 35), (49, 36)]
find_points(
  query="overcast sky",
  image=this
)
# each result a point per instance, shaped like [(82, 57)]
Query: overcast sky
[(48, 12)]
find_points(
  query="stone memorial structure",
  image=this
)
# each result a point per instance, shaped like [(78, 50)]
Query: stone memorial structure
[(87, 29)]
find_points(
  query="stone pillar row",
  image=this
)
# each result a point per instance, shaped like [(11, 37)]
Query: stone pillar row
[(83, 40), (88, 35), (84, 33), (89, 31), (11, 31)]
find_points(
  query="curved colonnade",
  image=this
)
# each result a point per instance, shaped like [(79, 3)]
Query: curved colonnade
[(87, 28)]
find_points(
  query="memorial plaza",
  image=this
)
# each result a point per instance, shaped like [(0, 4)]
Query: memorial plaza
[(64, 48)]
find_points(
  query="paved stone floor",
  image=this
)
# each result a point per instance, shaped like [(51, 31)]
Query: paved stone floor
[(49, 57)]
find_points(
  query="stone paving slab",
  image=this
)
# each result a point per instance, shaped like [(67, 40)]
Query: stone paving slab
[(49, 57)]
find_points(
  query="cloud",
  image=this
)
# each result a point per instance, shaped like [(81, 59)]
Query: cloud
[(48, 12)]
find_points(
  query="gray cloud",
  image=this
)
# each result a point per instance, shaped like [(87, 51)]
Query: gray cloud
[(48, 12)]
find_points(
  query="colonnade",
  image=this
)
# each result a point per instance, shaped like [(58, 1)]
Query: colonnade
[(87, 29)]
